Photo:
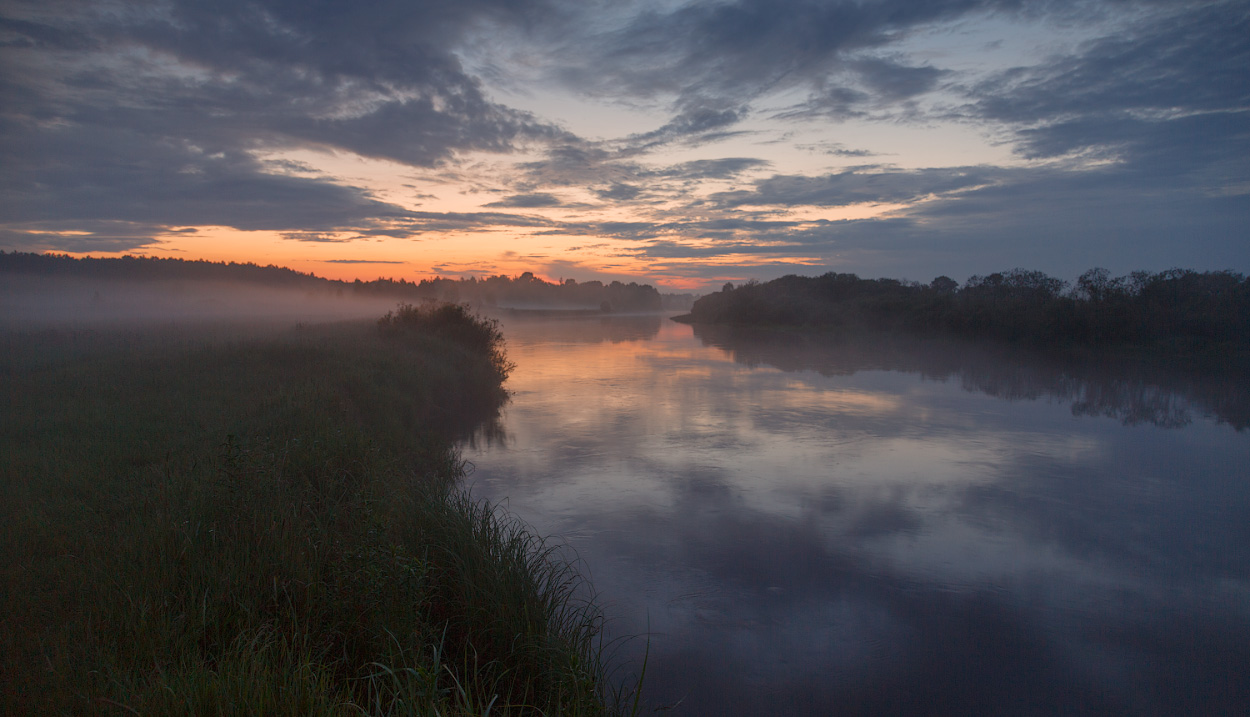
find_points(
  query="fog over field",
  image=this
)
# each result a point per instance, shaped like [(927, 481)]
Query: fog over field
[(37, 300)]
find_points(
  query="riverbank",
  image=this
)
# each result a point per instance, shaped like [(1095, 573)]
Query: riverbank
[(1186, 314), (262, 520)]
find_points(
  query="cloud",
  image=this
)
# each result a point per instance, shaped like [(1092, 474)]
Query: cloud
[(713, 60), (619, 192), (577, 164), (746, 47), (724, 168), (618, 177), (1171, 92), (126, 122), (360, 261), (862, 87), (73, 176), (1061, 220), (1188, 61), (80, 236), (155, 114), (855, 186), (1142, 132), (701, 122), (528, 201), (836, 149), (318, 237), (472, 221), (891, 81)]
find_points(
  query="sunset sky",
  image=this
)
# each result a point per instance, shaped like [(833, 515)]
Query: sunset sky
[(683, 143)]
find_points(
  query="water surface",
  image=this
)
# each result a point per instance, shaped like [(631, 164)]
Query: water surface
[(887, 526)]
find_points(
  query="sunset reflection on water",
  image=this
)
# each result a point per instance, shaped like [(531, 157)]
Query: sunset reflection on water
[(871, 525)]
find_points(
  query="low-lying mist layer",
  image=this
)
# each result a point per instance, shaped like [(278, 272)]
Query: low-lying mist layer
[(55, 286), (33, 300)]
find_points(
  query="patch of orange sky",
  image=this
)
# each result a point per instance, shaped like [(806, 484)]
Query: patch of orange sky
[(347, 255)]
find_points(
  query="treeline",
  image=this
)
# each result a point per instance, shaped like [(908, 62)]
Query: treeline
[(134, 268), (1178, 308), (524, 291)]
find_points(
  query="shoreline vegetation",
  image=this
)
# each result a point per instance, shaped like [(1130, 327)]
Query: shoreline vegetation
[(1175, 312), (521, 292), (269, 522)]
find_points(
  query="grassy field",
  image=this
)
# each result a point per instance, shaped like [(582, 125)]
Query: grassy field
[(261, 520)]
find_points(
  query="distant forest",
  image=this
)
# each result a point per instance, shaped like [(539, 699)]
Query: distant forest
[(524, 291), (1178, 308)]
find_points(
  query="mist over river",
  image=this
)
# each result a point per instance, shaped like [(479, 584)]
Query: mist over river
[(889, 525)]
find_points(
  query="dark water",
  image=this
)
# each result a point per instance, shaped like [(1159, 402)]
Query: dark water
[(888, 526)]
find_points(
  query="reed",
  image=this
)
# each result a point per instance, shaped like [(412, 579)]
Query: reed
[(269, 522)]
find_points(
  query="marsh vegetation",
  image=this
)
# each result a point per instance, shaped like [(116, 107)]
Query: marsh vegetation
[(213, 520)]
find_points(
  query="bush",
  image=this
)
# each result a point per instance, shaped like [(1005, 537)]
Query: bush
[(457, 323)]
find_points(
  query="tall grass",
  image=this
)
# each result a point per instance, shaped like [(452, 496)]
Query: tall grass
[(271, 526)]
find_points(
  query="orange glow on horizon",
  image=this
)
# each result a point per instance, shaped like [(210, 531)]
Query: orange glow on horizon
[(479, 233), (477, 254)]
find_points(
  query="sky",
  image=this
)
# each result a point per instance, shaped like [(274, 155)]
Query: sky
[(684, 143)]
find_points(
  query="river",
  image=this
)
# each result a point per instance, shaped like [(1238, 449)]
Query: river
[(878, 526)]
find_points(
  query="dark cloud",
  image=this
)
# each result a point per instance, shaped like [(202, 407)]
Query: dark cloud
[(836, 149), (731, 230), (839, 102), (72, 176), (855, 186), (740, 49), (891, 81), (713, 168), (619, 192), (151, 113), (1169, 100), (618, 177), (528, 201), (716, 58), (79, 236), (1173, 65), (750, 246), (713, 60), (441, 220), (318, 237), (865, 86), (698, 123), (619, 230), (577, 164)]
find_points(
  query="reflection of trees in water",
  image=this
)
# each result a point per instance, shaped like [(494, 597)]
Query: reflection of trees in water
[(1132, 404), (1134, 392), (1096, 390), (490, 432)]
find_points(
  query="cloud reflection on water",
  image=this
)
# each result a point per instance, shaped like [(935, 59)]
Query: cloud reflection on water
[(872, 528)]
